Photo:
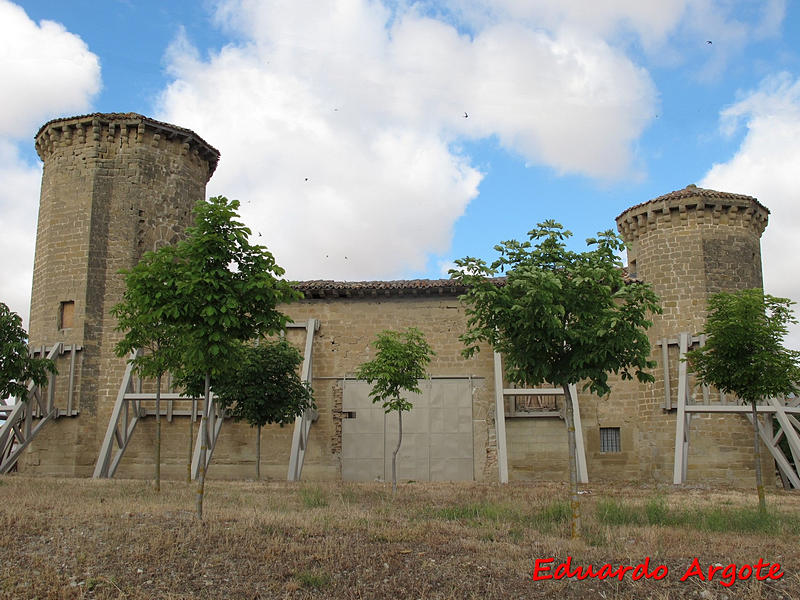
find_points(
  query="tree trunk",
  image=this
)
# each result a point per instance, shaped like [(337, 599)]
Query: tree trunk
[(191, 450), (569, 418), (258, 453), (201, 477), (396, 450), (158, 433), (762, 501)]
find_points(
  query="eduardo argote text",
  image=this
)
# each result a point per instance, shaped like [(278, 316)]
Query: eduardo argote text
[(725, 575)]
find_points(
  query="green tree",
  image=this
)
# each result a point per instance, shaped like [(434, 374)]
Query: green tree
[(141, 315), (398, 365), (224, 291), (744, 354), (17, 366), (265, 388), (560, 317)]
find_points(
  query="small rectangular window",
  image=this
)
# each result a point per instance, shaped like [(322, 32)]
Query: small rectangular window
[(66, 315), (609, 439)]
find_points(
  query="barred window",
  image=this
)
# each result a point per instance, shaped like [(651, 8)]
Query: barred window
[(609, 439)]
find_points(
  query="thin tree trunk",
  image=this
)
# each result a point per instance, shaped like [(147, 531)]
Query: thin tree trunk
[(762, 501), (396, 450), (191, 449), (569, 418), (158, 432), (201, 483), (258, 453)]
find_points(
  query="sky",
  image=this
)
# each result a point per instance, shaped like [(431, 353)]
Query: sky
[(384, 139)]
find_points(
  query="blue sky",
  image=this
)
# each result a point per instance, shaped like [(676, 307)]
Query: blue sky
[(342, 130)]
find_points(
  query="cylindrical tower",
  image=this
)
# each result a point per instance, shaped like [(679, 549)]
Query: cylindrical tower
[(113, 187), (689, 244)]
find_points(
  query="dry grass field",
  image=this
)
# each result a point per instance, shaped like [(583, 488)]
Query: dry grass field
[(68, 538)]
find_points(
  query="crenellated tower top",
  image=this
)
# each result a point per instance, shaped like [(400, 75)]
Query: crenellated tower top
[(123, 128)]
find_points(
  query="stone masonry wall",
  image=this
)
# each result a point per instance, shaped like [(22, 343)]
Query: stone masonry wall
[(688, 245), (114, 186)]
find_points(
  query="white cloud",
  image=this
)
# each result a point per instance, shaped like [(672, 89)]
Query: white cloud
[(18, 213), (46, 71), (671, 32), (766, 166), (50, 71), (338, 122)]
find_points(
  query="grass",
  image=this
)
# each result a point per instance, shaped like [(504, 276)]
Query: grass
[(313, 579), (655, 512), (71, 538), (313, 497)]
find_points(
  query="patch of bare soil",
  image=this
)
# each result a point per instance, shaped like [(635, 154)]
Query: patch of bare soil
[(69, 538)]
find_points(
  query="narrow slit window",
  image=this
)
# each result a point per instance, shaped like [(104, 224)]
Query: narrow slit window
[(609, 439), (66, 315)]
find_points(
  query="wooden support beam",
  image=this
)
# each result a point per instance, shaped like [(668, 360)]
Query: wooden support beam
[(302, 424), (71, 385), (706, 391), (738, 409), (682, 418), (583, 473), (665, 364), (51, 382), (101, 469), (788, 428), (785, 468), (500, 419), (212, 431), (11, 460), (533, 392)]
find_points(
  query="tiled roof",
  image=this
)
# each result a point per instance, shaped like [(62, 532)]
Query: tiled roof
[(692, 191), (324, 288)]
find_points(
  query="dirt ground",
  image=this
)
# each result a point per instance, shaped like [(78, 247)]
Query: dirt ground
[(71, 538)]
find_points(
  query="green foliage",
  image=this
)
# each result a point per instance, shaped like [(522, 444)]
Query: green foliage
[(223, 290), (559, 316), (400, 362), (744, 354), (265, 387), (143, 314), (17, 367)]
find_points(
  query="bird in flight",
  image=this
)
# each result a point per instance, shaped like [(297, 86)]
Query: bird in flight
[(466, 116), (708, 41)]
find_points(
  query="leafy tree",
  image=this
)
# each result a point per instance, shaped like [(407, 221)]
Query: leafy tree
[(560, 317), (265, 388), (17, 366), (400, 362), (141, 316), (744, 354), (223, 291)]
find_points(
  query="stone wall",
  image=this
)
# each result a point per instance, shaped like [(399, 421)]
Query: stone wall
[(689, 244), (113, 187)]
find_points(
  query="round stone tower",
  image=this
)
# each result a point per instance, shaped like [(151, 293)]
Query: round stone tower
[(689, 244), (114, 186)]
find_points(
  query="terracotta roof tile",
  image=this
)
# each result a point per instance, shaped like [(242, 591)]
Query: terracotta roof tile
[(325, 288), (692, 191)]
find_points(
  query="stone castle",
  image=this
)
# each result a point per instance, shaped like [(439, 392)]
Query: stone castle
[(117, 185)]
